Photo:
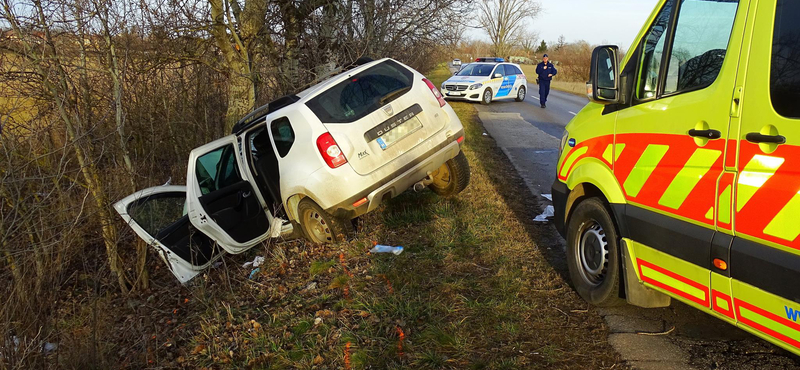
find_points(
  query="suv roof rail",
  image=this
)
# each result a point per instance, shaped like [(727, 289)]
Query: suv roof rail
[(262, 111)]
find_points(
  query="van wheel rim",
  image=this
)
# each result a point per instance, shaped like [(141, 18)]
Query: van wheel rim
[(487, 96), (521, 94), (317, 226), (592, 253)]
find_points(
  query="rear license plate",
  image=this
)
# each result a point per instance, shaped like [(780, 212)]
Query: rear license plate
[(399, 132)]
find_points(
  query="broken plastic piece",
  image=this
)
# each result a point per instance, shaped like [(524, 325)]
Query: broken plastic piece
[(386, 249), (253, 273), (255, 262), (548, 197), (548, 212)]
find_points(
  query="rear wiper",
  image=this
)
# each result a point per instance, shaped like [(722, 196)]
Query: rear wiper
[(394, 94)]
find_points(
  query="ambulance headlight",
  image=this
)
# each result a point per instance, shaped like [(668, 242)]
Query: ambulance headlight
[(475, 86)]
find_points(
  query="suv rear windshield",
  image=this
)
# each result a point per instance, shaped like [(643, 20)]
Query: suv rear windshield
[(363, 93)]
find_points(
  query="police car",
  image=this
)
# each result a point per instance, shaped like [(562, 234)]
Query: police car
[(486, 80)]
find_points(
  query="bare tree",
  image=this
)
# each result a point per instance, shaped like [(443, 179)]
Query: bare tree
[(527, 42), (503, 20)]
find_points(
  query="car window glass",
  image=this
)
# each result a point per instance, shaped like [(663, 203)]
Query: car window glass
[(157, 212), (510, 70), (517, 70), (283, 134), (217, 169), (501, 69), (476, 69), (701, 39), (363, 93), (785, 68), (652, 51)]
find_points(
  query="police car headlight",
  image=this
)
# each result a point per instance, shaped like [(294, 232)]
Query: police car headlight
[(475, 86)]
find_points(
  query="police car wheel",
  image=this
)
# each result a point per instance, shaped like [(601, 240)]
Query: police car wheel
[(521, 94), (321, 227), (593, 254), (487, 96)]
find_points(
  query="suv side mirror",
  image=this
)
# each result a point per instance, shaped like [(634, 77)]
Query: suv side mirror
[(603, 85), (498, 75)]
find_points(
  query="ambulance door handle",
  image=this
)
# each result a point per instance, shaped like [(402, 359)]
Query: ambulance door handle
[(705, 134), (757, 138)]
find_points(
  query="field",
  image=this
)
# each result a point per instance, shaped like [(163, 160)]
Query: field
[(577, 88)]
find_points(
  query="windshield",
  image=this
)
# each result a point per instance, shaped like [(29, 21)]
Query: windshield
[(476, 70)]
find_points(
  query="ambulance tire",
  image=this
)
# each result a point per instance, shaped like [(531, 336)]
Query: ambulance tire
[(593, 255), (319, 226), (486, 98)]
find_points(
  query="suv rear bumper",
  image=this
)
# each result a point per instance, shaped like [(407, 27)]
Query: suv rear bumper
[(399, 181), (560, 193)]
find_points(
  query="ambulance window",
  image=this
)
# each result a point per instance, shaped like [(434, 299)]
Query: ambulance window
[(785, 71), (652, 51), (701, 39)]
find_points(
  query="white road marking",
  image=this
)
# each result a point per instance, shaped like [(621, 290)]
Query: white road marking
[(535, 97), (572, 113)]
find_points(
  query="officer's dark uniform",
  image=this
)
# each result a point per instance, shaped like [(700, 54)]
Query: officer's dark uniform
[(544, 80)]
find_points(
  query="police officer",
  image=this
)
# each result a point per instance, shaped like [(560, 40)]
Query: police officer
[(546, 71)]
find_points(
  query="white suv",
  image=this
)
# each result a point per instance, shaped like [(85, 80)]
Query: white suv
[(486, 81), (314, 160)]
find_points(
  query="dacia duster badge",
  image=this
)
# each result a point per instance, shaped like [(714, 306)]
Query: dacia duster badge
[(314, 160)]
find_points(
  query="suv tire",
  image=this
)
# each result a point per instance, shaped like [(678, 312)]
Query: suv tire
[(486, 98), (320, 227), (521, 94), (593, 254), (452, 177)]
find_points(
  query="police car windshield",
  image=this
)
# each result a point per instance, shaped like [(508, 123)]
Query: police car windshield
[(476, 70)]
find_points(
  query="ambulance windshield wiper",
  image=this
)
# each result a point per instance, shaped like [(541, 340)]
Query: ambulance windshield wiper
[(394, 94)]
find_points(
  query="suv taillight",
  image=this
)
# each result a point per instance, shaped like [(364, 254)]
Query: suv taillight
[(330, 151), (435, 92)]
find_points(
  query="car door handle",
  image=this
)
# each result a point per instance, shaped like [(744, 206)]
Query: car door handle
[(705, 134), (757, 138)]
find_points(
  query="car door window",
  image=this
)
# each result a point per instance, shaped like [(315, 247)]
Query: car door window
[(510, 70), (785, 68), (701, 39), (501, 69), (156, 213), (283, 134), (217, 169), (652, 52)]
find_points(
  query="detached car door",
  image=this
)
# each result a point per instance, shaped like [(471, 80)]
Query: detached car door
[(158, 215), (221, 202)]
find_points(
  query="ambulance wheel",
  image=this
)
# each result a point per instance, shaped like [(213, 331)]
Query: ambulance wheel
[(487, 96), (321, 227), (521, 94), (593, 254), (452, 177)]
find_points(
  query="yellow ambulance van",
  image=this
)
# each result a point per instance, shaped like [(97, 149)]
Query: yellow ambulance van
[(681, 179)]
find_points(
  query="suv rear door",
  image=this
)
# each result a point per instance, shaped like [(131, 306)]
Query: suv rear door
[(221, 201), (378, 114), (158, 216)]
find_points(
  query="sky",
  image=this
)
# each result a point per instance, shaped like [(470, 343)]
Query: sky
[(596, 21)]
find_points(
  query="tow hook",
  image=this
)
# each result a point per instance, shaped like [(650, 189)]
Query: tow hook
[(422, 184)]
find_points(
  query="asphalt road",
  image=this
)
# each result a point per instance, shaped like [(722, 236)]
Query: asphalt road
[(676, 337)]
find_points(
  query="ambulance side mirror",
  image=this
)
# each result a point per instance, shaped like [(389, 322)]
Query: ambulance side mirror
[(603, 85)]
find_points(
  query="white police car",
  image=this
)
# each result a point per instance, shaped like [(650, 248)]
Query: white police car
[(486, 80)]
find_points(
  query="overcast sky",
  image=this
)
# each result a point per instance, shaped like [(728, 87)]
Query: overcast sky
[(596, 21)]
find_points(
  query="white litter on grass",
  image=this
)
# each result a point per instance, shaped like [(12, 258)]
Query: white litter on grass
[(254, 263), (548, 212), (548, 197), (275, 227), (49, 347), (485, 134), (386, 249)]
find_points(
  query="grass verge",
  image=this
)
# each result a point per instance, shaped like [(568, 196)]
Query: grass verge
[(576, 88), (471, 291)]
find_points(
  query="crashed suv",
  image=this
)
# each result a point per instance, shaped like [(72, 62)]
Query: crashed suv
[(311, 161)]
